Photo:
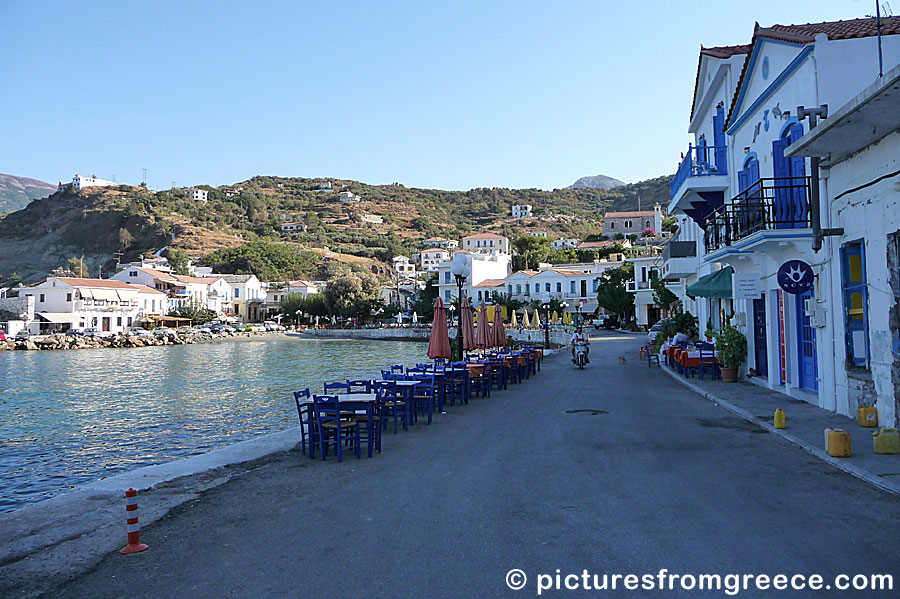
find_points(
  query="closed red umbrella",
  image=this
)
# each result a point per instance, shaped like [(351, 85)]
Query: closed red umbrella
[(468, 326), (483, 338), (499, 331), (439, 343)]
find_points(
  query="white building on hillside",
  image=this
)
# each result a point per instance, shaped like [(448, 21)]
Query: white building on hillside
[(403, 266), (564, 243), (575, 284), (486, 243), (198, 195), (430, 258), (440, 242), (521, 211), (80, 182)]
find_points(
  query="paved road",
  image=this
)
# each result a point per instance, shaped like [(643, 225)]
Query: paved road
[(658, 478)]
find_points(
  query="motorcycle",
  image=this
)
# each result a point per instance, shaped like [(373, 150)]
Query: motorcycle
[(580, 354)]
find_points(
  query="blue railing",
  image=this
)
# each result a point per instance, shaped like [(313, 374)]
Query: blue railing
[(700, 161)]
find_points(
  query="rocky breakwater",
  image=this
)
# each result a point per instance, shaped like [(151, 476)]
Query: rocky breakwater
[(57, 341)]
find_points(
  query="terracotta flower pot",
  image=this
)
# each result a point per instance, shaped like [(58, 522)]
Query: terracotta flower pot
[(729, 375)]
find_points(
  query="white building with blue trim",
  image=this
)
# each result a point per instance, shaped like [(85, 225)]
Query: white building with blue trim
[(745, 203)]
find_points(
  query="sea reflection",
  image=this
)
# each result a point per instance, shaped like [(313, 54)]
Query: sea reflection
[(69, 417)]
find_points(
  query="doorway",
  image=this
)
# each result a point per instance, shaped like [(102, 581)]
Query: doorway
[(806, 338), (760, 338)]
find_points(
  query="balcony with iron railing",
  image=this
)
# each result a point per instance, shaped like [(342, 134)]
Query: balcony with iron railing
[(704, 168), (679, 259), (768, 205)]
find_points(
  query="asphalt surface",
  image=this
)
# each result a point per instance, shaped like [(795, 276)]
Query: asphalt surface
[(644, 475)]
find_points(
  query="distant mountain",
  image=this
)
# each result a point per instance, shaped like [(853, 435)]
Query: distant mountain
[(597, 181), (17, 192)]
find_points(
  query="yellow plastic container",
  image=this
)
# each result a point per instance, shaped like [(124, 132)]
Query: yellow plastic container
[(780, 419), (887, 440), (837, 443), (867, 416)]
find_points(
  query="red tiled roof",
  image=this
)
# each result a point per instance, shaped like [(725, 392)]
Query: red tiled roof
[(101, 283), (433, 250), (806, 34), (591, 245), (491, 283), (146, 289), (484, 236), (633, 214)]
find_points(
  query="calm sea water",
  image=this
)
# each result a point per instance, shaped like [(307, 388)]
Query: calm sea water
[(70, 417)]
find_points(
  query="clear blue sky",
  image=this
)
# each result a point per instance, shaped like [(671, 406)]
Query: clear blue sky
[(447, 95)]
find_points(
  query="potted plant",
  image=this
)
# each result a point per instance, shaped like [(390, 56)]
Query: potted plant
[(710, 330), (731, 346)]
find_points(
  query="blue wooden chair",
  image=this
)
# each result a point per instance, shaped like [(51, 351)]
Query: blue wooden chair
[(335, 429), (307, 426), (391, 406), (708, 360), (337, 388), (362, 419), (650, 356), (359, 386), (397, 368), (424, 395), (482, 382)]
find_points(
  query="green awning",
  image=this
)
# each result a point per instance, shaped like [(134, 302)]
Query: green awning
[(717, 284)]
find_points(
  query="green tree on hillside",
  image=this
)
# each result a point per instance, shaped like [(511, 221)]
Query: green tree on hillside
[(178, 261), (76, 265), (353, 294), (530, 251)]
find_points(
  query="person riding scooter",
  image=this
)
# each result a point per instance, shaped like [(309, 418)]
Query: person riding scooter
[(579, 337)]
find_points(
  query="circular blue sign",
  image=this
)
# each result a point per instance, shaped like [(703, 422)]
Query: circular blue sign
[(795, 276)]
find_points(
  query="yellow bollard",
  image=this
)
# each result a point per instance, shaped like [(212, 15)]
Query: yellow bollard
[(887, 440), (780, 420)]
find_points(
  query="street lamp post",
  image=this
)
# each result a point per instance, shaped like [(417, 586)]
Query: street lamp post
[(461, 271), (563, 306), (297, 316), (547, 327)]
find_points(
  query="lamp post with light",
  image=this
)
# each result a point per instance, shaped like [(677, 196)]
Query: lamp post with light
[(563, 307), (461, 270), (547, 326)]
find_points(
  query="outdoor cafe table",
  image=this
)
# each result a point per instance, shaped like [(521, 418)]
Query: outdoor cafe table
[(354, 402), (406, 388)]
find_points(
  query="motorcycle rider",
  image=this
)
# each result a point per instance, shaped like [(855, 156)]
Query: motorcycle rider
[(579, 336)]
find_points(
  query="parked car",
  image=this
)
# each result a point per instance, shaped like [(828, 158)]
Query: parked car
[(137, 331), (657, 327), (23, 335), (93, 332), (600, 321), (184, 330), (75, 332), (204, 329), (2, 336), (160, 331), (217, 328)]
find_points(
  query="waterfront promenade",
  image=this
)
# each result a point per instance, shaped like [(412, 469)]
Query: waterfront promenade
[(616, 469)]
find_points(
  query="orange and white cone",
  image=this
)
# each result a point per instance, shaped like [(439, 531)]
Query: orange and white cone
[(134, 532)]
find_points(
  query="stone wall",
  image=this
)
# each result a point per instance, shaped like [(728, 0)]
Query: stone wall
[(17, 308)]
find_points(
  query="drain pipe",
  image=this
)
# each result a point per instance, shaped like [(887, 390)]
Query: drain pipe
[(815, 206)]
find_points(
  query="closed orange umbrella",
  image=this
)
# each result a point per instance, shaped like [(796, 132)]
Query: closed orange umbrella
[(498, 330), (439, 343), (483, 338), (467, 324)]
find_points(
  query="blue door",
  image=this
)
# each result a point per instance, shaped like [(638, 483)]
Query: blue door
[(719, 140), (759, 336), (781, 212), (806, 337)]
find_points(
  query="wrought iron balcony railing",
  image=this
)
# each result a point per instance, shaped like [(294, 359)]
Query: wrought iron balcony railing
[(700, 161), (766, 205)]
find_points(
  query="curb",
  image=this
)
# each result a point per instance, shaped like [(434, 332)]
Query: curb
[(818, 452)]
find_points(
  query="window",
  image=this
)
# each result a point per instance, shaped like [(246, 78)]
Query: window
[(68, 297), (132, 273), (559, 287), (509, 289), (446, 295), (612, 225), (571, 286), (446, 277), (547, 287), (129, 321), (856, 300), (41, 298), (647, 223), (596, 284), (518, 289), (119, 321), (237, 293), (479, 295)]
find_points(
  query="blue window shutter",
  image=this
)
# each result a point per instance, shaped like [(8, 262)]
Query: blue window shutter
[(855, 295), (719, 141), (743, 179)]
